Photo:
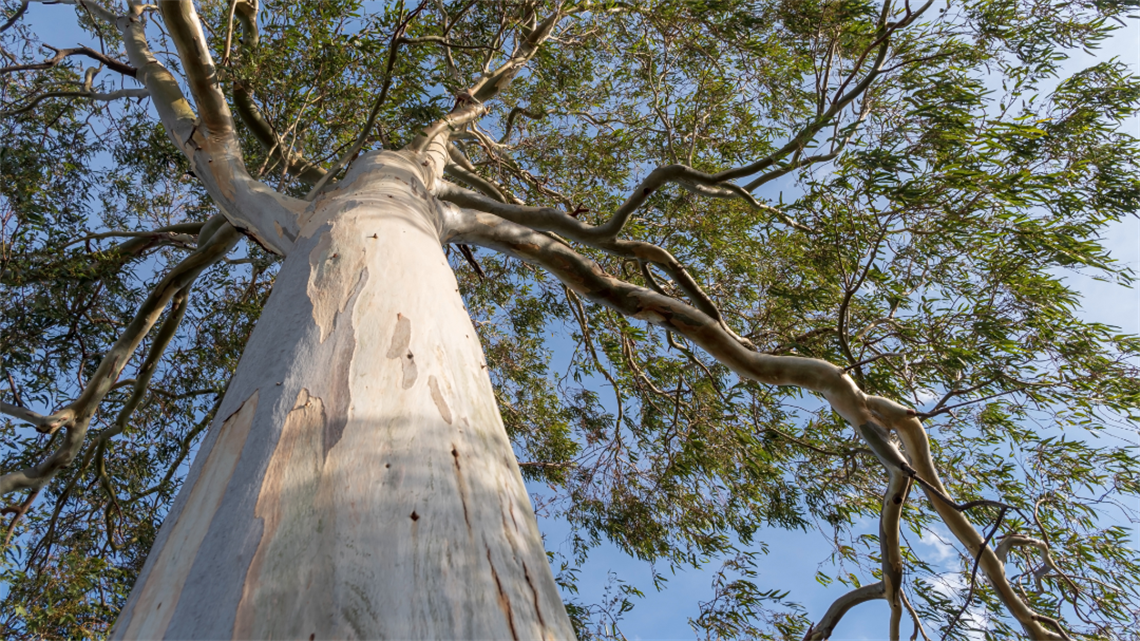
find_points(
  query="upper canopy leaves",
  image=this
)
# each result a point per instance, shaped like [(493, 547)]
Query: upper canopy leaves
[(942, 180)]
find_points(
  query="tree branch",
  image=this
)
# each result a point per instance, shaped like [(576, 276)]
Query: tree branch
[(826, 625), (45, 424), (296, 164), (214, 243), (974, 576), (460, 167), (558, 221), (186, 31), (861, 411), (164, 234), (889, 549), (905, 423), (469, 104), (61, 54), (90, 95), (15, 16), (162, 340), (271, 219)]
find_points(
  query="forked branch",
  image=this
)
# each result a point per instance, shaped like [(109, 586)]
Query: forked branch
[(210, 145), (75, 418), (248, 111), (62, 54)]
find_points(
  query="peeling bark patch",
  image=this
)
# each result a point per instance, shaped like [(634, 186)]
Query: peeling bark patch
[(504, 600), (401, 339), (339, 391), (437, 396), (294, 464), (170, 570), (410, 372), (335, 274)]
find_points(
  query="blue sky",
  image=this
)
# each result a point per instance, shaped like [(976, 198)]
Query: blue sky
[(795, 556)]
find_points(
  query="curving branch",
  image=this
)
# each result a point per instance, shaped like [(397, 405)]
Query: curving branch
[(693, 180), (974, 576), (720, 185), (19, 13), (1048, 565), (180, 234), (905, 423), (880, 46), (586, 278), (890, 587), (271, 219), (61, 54), (102, 444), (214, 243), (90, 95), (461, 168), (870, 416), (514, 114), (305, 170), (249, 113), (497, 81), (433, 141), (557, 221), (917, 621), (840, 607), (17, 512), (45, 424), (166, 332)]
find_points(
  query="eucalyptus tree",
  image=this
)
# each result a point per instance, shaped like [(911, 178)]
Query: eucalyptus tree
[(792, 264)]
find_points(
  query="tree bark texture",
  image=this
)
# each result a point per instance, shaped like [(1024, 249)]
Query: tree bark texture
[(358, 481)]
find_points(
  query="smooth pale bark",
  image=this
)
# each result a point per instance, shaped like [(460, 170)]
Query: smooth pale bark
[(358, 482)]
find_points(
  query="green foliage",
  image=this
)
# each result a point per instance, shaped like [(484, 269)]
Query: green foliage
[(972, 181)]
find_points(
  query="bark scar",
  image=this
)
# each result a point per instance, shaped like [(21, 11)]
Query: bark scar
[(437, 396), (533, 591), (401, 339), (504, 600), (336, 272)]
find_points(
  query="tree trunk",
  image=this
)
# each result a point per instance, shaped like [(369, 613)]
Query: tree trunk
[(357, 482)]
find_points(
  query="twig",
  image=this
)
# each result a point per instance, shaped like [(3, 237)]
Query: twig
[(18, 511), (15, 16), (974, 574), (936, 412), (870, 360)]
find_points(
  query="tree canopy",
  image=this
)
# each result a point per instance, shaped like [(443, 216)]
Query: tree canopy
[(893, 188)]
